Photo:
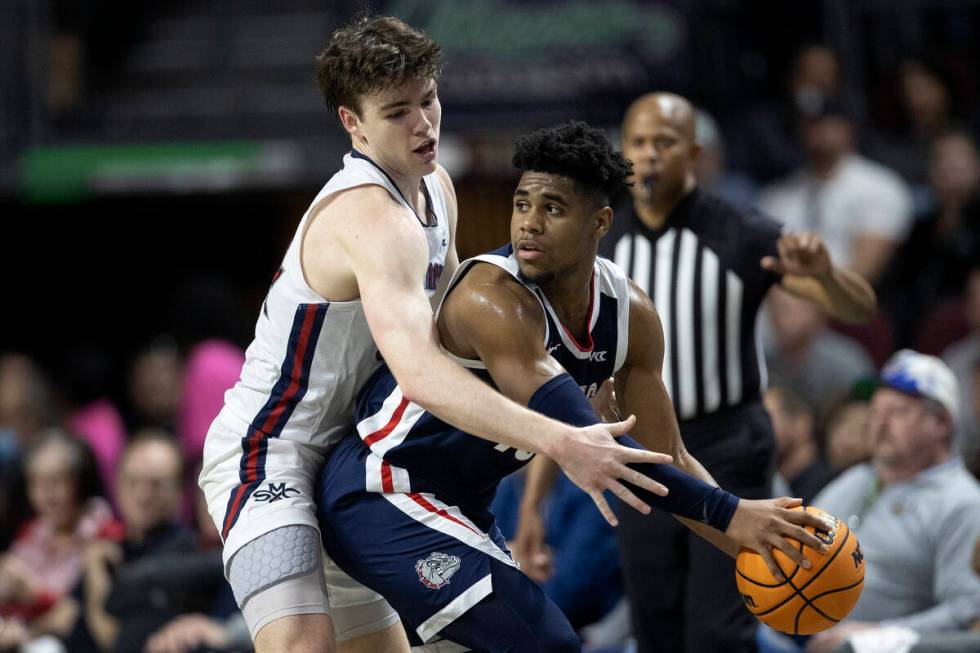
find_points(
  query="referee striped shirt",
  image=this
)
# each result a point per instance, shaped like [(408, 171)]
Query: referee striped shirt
[(702, 271)]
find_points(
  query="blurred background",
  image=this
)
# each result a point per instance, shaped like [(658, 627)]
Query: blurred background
[(155, 159)]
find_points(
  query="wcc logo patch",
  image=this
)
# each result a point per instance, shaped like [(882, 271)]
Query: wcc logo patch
[(435, 571), (275, 492)]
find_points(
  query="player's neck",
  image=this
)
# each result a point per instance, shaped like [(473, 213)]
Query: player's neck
[(411, 190), (570, 295), (410, 187)]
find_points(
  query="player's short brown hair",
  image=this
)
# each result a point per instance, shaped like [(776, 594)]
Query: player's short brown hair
[(371, 53)]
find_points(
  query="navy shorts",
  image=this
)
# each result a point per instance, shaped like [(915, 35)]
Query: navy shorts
[(446, 575)]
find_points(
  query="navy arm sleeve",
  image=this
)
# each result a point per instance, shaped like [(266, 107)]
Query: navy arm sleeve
[(562, 399)]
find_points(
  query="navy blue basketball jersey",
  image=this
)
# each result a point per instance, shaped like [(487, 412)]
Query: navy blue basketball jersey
[(412, 451)]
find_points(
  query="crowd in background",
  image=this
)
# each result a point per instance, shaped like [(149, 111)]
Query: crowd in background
[(107, 547)]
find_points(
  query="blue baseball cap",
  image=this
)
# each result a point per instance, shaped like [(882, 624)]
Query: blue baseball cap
[(922, 376)]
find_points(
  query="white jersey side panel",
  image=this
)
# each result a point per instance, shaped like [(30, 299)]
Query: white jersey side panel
[(310, 355)]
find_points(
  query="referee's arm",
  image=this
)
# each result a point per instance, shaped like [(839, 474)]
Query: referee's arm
[(808, 272)]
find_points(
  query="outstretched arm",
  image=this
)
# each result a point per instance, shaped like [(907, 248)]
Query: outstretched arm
[(809, 274), (366, 235)]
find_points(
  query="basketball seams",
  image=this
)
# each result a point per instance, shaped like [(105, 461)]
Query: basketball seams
[(786, 579), (799, 590)]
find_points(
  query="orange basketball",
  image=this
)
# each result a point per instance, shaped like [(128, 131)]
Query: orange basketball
[(809, 600)]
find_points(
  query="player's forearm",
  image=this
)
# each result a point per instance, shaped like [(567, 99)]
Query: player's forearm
[(541, 474), (457, 397)]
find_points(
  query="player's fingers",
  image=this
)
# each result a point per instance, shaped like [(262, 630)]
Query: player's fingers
[(640, 479), (817, 520), (791, 551), (772, 264), (631, 455), (623, 494), (604, 509), (774, 569), (619, 428), (788, 502)]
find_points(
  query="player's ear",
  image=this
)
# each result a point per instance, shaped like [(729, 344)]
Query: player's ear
[(603, 220), (351, 123)]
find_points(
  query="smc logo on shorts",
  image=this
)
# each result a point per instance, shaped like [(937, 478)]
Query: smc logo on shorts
[(435, 570)]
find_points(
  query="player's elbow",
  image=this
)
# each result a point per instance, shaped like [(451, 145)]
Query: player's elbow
[(414, 383)]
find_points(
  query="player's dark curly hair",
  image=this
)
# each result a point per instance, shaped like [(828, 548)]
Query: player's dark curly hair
[(578, 151), (371, 53)]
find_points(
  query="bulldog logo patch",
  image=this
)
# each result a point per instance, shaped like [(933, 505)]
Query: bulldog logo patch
[(435, 571)]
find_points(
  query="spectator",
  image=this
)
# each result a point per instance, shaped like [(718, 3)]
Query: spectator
[(212, 367), (925, 107), (846, 441), (711, 169), (803, 352), (84, 378), (764, 142), (154, 385), (127, 589), (25, 409), (64, 491), (914, 507), (801, 471), (963, 358), (860, 208), (944, 243)]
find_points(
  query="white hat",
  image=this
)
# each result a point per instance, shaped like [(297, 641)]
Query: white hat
[(923, 376)]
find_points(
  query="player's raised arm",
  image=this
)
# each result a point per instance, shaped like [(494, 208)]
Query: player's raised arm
[(759, 524)]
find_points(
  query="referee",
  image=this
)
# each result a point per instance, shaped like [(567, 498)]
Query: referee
[(708, 267)]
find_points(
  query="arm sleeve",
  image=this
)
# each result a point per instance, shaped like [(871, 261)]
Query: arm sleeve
[(562, 399)]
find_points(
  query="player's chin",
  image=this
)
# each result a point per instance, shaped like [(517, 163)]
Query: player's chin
[(533, 273)]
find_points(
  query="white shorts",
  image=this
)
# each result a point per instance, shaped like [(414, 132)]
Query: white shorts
[(282, 494)]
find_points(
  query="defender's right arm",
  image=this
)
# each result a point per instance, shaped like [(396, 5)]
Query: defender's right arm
[(364, 240)]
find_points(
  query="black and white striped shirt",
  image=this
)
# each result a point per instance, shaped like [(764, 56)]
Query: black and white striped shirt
[(702, 271)]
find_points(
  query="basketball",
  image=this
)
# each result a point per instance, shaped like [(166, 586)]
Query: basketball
[(808, 600)]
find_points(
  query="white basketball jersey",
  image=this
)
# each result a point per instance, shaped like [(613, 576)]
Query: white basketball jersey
[(310, 356)]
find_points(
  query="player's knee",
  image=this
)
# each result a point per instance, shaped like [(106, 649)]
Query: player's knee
[(297, 633)]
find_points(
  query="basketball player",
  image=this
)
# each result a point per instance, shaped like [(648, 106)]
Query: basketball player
[(357, 280), (708, 266), (404, 502)]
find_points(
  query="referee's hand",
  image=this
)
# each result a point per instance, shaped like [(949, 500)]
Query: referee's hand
[(803, 254)]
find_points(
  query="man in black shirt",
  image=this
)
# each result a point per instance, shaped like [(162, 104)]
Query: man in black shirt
[(708, 267)]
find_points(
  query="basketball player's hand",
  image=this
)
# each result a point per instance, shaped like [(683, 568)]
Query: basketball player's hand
[(595, 462), (830, 639), (604, 402), (529, 548), (803, 254), (763, 524)]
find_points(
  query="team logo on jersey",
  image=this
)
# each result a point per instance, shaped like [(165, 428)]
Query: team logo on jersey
[(436, 570), (275, 492), (598, 357)]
